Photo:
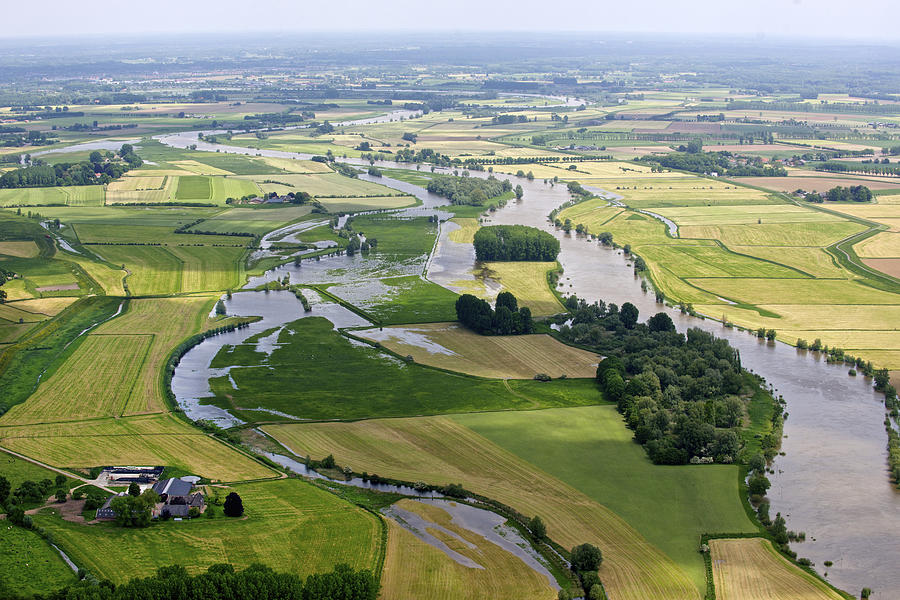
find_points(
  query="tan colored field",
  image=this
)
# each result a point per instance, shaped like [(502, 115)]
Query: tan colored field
[(806, 316), (296, 166), (466, 233), (880, 245), (439, 450), (888, 214), (751, 569), (848, 339), (891, 266), (814, 184), (19, 249), (775, 234), (527, 281), (199, 168), (415, 569), (745, 215), (46, 306), (587, 169), (150, 439), (135, 183), (449, 346), (148, 189)]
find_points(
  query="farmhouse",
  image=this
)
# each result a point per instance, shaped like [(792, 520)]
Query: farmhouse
[(176, 499), (105, 512)]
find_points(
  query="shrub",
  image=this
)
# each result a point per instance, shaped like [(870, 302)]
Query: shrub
[(234, 506)]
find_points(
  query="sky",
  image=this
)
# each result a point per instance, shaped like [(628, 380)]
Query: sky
[(874, 20)]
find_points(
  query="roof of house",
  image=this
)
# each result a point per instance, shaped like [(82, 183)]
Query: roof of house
[(172, 487)]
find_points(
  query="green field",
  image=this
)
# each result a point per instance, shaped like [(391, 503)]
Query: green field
[(290, 525), (315, 373), (590, 449), (395, 300), (86, 195), (29, 565)]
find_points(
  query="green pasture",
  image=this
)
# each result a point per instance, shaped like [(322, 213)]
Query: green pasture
[(29, 565), (399, 300), (591, 449)]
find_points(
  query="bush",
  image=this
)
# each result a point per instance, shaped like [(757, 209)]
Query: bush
[(234, 506), (586, 557)]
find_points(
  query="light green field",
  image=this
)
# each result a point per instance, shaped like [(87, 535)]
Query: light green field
[(590, 449), (209, 269), (125, 233), (290, 525), (711, 261), (635, 229), (743, 215), (253, 220), (325, 185), (86, 195), (593, 213), (151, 269), (361, 204), (814, 261), (527, 281), (774, 234), (796, 291), (685, 191)]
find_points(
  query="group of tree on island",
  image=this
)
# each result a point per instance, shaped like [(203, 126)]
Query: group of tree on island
[(681, 394), (506, 318), (473, 191), (101, 168), (515, 243)]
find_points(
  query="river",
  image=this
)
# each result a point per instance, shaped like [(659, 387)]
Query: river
[(832, 480)]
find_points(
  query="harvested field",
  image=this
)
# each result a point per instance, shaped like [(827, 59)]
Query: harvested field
[(47, 306), (891, 266), (19, 249), (814, 234), (751, 569), (450, 346), (144, 440), (745, 215), (815, 184), (881, 245)]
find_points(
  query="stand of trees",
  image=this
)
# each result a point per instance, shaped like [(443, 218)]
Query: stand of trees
[(99, 169), (854, 193), (515, 242), (681, 394), (222, 581), (473, 191), (506, 318), (723, 163)]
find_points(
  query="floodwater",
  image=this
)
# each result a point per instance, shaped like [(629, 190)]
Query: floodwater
[(832, 481)]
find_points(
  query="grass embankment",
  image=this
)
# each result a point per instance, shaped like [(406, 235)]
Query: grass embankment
[(315, 373), (289, 525)]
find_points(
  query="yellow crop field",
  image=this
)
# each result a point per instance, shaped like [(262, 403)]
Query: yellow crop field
[(46, 306), (9, 312), (880, 245), (751, 569), (848, 339), (130, 190), (15, 289), (96, 381), (439, 450), (466, 232), (136, 183), (807, 316), (449, 346), (814, 261), (415, 569), (26, 249), (143, 440), (758, 291), (110, 279), (527, 281)]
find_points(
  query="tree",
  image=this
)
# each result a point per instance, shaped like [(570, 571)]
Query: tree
[(660, 322), (596, 592), (95, 157), (757, 463), (537, 528), (60, 495), (220, 307), (586, 557), (629, 315), (234, 506), (508, 300), (758, 485), (519, 192), (134, 489), (5, 488)]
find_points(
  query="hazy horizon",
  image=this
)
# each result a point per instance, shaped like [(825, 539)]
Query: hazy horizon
[(777, 19)]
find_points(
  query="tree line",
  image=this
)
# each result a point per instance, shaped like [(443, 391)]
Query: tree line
[(99, 169), (472, 191), (516, 243), (223, 581), (695, 160), (506, 318), (680, 394)]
